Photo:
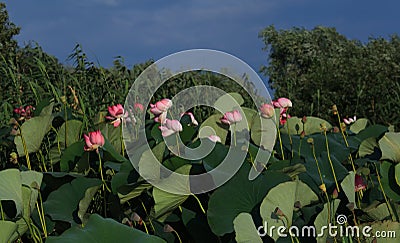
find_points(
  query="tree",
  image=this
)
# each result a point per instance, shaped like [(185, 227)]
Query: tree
[(7, 31), (320, 67)]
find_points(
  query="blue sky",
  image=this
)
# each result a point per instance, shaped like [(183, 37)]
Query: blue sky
[(140, 30)]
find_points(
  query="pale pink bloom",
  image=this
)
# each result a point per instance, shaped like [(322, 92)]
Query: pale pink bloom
[(231, 117), (138, 107), (170, 127), (194, 121), (284, 102), (267, 111), (276, 104), (116, 114), (214, 138), (350, 120), (93, 141), (162, 118), (160, 106)]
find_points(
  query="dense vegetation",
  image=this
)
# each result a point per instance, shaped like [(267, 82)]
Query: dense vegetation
[(320, 67), (65, 175)]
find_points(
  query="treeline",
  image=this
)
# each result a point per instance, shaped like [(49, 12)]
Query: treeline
[(320, 67)]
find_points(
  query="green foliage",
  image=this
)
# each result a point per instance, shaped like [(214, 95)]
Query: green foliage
[(319, 68), (69, 194)]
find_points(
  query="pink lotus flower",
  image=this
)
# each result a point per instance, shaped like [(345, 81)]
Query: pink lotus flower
[(359, 183), (214, 138), (282, 103), (116, 114), (194, 121), (283, 118), (267, 111), (162, 118), (93, 141), (170, 127), (231, 117), (138, 107), (160, 106), (24, 112), (350, 120)]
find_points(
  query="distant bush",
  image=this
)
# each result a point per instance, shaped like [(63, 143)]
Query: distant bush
[(320, 67)]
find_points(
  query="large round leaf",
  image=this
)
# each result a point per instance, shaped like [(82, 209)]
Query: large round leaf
[(391, 188), (33, 131), (166, 202), (245, 229), (99, 230), (359, 125), (239, 195), (69, 133), (294, 125), (10, 187), (225, 102), (7, 229), (390, 146), (263, 132), (283, 197), (324, 218), (348, 185), (62, 203), (214, 123)]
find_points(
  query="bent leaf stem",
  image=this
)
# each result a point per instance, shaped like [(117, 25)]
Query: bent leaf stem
[(330, 161)]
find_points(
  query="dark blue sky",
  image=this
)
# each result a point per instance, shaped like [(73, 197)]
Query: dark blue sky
[(140, 30)]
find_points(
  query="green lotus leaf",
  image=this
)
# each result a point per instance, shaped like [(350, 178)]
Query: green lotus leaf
[(7, 229), (62, 203), (245, 229), (99, 229), (359, 125), (324, 218), (377, 210), (390, 146), (33, 131), (348, 185), (239, 195), (10, 189), (69, 133), (166, 202), (294, 125), (294, 191)]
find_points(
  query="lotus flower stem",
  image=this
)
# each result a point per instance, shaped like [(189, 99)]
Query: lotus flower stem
[(345, 141), (330, 161), (41, 214), (177, 235), (384, 195), (147, 215), (145, 227), (290, 137), (28, 162), (280, 142), (2, 212), (198, 201), (234, 135), (101, 175), (177, 144), (122, 141), (322, 181)]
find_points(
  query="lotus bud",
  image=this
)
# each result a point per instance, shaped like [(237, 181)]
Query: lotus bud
[(322, 187)]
